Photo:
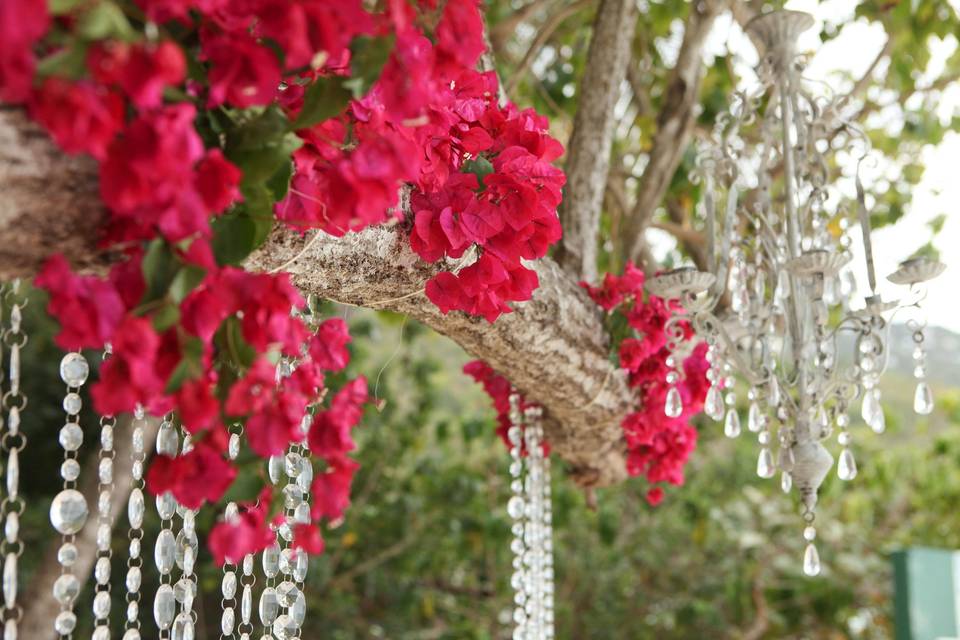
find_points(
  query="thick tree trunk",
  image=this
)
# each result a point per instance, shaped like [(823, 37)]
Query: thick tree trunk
[(553, 348), (588, 154)]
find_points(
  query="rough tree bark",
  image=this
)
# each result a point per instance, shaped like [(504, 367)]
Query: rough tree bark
[(674, 125), (553, 348), (588, 153)]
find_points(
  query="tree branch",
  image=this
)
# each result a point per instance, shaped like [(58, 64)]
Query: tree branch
[(504, 30), (588, 154), (554, 348), (674, 125)]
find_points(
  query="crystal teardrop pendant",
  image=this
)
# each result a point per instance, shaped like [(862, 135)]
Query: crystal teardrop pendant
[(923, 399), (713, 404), (731, 426), (673, 406), (811, 561), (872, 411), (754, 418), (765, 466), (847, 466), (786, 481)]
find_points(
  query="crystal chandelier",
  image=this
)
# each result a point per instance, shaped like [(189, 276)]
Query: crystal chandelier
[(773, 304)]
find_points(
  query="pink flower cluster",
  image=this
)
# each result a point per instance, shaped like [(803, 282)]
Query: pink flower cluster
[(499, 389), (658, 446)]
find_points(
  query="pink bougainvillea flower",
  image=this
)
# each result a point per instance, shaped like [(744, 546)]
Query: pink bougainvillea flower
[(142, 71), (328, 347), (243, 73), (198, 476), (82, 117), (22, 23), (88, 308), (331, 489), (249, 532)]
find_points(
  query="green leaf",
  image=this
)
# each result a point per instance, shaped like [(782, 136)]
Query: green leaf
[(241, 353), (60, 7), (187, 278), (104, 20), (324, 99), (368, 55), (262, 146), (167, 316), (70, 62), (190, 366), (233, 237), (279, 183), (479, 167), (159, 267)]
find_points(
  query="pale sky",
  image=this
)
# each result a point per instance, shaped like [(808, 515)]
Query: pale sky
[(852, 51)]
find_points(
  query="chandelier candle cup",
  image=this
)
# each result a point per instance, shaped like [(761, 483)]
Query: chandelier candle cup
[(785, 274)]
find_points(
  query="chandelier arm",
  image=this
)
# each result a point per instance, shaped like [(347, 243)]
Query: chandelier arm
[(865, 230), (706, 322)]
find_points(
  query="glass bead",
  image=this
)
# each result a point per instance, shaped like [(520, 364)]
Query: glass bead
[(809, 534), (101, 571), (164, 606), (185, 591), (68, 512), (731, 425), (292, 464), (227, 621), (133, 611), (70, 470), (131, 634), (65, 623), (515, 507), (923, 399), (843, 420), (105, 471), (844, 438), (754, 418), (10, 580), (301, 515), (74, 369), (246, 604), (71, 436), (284, 628), (764, 437), (300, 567), (103, 537), (186, 540), (166, 505), (13, 420), (287, 593), (228, 585), (248, 564), (292, 496), (165, 552), (765, 466), (847, 466), (673, 405), (136, 470), (72, 403), (67, 554), (269, 606), (298, 611), (271, 560), (11, 527), (872, 411), (305, 478), (136, 508), (672, 377), (811, 561), (66, 588), (101, 604), (713, 405), (275, 468), (135, 548), (233, 446), (786, 482), (10, 630), (183, 627), (137, 439), (134, 579), (13, 473), (168, 442)]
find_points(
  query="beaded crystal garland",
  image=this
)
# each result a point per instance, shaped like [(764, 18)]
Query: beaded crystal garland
[(783, 267), (13, 441), (529, 508)]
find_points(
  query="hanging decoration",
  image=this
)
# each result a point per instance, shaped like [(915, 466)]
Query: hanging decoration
[(530, 510), (14, 338), (775, 257)]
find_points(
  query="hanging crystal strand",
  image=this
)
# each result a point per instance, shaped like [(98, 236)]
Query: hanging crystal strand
[(165, 548), (713, 405), (731, 424), (285, 627), (765, 466), (548, 575), (269, 608), (228, 585), (922, 397), (299, 560), (13, 442), (516, 508), (136, 508), (248, 580), (101, 572), (811, 558), (846, 466), (187, 546), (68, 511), (673, 403), (869, 348), (533, 556)]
